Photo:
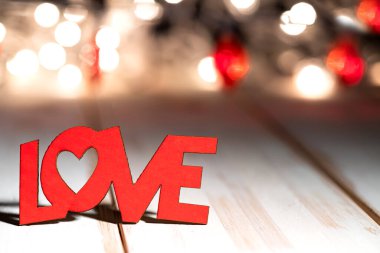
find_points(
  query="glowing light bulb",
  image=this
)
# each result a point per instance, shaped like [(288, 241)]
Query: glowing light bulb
[(303, 13), (67, 34), (231, 60), (345, 61), (75, 13), (52, 56), (368, 12), (3, 32), (24, 64), (107, 37), (314, 82), (46, 15), (207, 70), (147, 10), (290, 28), (69, 78), (108, 59)]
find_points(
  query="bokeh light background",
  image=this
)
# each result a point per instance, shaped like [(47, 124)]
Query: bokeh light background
[(314, 50)]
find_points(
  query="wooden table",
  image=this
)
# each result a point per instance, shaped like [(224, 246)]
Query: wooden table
[(288, 176)]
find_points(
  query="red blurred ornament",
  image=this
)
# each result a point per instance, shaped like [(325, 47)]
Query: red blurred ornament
[(368, 12), (90, 61), (231, 60), (345, 61)]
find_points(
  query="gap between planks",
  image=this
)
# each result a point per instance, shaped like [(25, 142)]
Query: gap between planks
[(92, 117), (278, 130)]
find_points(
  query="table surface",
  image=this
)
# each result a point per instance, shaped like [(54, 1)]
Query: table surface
[(289, 176)]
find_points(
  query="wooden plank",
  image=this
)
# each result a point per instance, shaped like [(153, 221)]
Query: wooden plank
[(21, 123), (263, 196), (343, 134)]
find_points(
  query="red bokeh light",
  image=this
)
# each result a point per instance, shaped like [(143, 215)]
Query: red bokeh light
[(344, 60), (231, 60), (368, 12)]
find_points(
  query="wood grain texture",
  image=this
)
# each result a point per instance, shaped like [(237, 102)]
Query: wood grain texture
[(263, 196), (342, 134)]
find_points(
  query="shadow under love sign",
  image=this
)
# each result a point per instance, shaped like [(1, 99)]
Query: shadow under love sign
[(165, 171)]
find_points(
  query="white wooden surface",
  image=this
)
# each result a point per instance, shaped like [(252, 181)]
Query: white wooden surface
[(344, 134), (262, 195)]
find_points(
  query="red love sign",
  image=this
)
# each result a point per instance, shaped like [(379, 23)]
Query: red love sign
[(165, 171)]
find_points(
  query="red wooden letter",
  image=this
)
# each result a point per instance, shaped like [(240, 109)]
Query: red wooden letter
[(166, 170), (108, 144), (171, 154), (29, 210)]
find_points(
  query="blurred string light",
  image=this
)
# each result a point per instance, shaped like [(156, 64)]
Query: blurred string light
[(295, 21), (344, 60), (288, 27), (67, 34), (107, 37), (147, 10), (75, 13), (3, 32), (107, 40), (303, 13), (229, 63), (173, 1), (69, 79), (207, 70), (24, 64), (244, 7), (368, 12), (231, 60), (312, 81), (208, 73), (52, 56), (347, 18), (108, 59), (46, 15)]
